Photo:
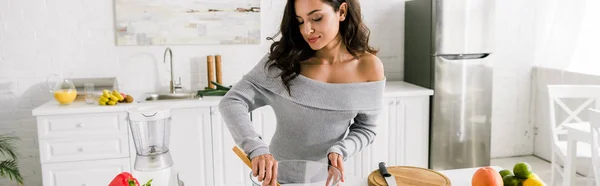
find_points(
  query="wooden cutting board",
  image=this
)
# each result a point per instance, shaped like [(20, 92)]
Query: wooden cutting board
[(410, 176)]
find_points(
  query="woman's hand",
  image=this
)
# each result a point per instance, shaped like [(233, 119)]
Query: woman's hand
[(337, 161), (265, 167)]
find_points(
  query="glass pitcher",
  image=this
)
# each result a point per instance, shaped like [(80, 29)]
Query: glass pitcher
[(151, 128), (64, 89)]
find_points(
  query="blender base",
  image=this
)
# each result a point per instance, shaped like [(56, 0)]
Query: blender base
[(164, 177)]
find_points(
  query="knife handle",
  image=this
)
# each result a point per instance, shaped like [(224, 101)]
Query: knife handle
[(384, 170)]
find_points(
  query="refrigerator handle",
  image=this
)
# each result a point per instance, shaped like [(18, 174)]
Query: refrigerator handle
[(462, 56)]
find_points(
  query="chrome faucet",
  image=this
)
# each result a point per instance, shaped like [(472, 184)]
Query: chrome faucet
[(173, 87)]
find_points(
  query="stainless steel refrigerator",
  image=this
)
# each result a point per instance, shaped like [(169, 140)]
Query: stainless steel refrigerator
[(448, 47)]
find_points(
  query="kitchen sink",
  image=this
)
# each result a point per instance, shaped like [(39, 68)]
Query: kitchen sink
[(172, 96)]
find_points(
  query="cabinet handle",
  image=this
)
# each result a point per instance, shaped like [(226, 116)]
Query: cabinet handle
[(79, 125), (392, 103), (397, 103), (79, 149)]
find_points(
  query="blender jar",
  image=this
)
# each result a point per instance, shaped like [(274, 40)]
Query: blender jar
[(150, 127)]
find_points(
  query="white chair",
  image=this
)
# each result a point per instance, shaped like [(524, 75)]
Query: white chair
[(557, 93), (595, 130)]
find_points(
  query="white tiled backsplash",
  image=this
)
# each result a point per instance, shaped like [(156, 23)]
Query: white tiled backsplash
[(40, 37)]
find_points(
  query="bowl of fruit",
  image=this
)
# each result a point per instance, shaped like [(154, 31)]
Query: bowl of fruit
[(521, 175)]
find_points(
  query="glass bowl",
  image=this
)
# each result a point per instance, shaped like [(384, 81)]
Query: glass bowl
[(304, 173)]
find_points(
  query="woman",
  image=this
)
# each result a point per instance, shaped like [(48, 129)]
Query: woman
[(322, 79)]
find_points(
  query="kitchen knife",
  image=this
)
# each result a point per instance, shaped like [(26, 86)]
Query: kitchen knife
[(389, 178)]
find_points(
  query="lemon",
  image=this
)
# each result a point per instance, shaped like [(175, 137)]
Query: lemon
[(535, 176), (533, 181), (522, 170)]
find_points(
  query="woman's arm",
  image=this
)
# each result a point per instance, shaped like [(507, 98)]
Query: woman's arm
[(361, 134), (234, 107)]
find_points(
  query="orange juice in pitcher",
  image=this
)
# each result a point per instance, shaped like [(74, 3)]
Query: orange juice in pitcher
[(65, 97), (64, 89)]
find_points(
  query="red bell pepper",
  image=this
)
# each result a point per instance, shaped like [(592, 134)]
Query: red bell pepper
[(124, 179)]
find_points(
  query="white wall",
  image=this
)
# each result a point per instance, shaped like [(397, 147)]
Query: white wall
[(40, 37), (513, 59)]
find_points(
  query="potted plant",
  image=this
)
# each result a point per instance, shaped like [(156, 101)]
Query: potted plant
[(8, 163)]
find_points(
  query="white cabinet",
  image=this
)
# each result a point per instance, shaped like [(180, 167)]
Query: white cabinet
[(190, 145), (229, 170), (88, 148), (402, 135), (383, 148), (412, 113), (83, 149), (84, 173), (353, 166)]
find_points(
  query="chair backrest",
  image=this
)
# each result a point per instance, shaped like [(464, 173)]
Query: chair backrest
[(558, 93), (594, 115)]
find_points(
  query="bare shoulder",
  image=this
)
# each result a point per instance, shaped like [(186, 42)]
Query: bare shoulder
[(370, 67)]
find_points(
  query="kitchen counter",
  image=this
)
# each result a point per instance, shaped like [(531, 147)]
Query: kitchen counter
[(393, 89), (401, 88), (80, 107)]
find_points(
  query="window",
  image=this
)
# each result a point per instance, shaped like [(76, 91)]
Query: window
[(586, 55)]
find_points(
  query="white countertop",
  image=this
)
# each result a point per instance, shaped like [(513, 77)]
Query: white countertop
[(393, 89), (80, 107), (401, 88), (463, 176)]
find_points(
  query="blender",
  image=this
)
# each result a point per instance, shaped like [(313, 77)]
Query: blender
[(150, 127)]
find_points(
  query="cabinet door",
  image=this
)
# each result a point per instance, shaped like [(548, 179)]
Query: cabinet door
[(384, 147), (229, 170), (413, 115), (190, 145), (93, 147), (84, 173), (398, 128), (353, 166)]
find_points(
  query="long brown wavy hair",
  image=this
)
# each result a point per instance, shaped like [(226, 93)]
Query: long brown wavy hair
[(287, 53)]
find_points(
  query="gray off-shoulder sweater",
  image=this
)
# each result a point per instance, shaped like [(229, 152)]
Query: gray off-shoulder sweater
[(317, 118)]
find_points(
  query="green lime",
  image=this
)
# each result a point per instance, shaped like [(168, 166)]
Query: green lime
[(522, 170), (510, 180), (505, 172)]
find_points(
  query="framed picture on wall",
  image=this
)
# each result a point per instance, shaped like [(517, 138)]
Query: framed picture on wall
[(187, 22)]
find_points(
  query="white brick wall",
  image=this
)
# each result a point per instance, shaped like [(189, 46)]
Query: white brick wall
[(40, 37)]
